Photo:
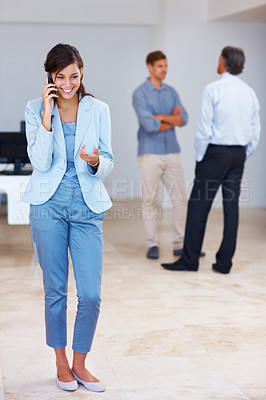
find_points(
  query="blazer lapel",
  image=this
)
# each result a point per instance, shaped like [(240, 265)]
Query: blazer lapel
[(58, 131), (83, 121)]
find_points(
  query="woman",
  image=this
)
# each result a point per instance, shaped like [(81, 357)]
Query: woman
[(69, 146)]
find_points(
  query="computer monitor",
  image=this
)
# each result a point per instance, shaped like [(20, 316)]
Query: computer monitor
[(13, 149)]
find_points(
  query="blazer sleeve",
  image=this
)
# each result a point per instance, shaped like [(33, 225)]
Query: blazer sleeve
[(106, 160), (40, 141)]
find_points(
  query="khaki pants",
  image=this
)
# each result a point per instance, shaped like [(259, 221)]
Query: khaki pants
[(168, 168)]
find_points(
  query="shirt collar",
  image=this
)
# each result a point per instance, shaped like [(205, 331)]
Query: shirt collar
[(151, 87), (225, 74)]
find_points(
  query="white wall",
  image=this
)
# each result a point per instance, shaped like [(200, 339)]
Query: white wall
[(93, 12), (114, 47)]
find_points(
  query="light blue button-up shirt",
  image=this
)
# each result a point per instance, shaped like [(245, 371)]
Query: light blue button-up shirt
[(147, 102), (69, 129), (228, 115)]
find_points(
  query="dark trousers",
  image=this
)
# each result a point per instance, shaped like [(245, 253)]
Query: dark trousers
[(221, 165)]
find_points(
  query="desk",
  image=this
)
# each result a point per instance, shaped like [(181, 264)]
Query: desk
[(14, 186)]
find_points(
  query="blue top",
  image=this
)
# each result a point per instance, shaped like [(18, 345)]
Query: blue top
[(228, 115), (69, 129), (147, 102)]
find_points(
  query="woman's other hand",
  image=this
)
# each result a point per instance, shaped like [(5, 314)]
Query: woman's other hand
[(92, 159)]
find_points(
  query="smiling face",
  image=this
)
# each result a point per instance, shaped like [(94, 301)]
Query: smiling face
[(68, 81)]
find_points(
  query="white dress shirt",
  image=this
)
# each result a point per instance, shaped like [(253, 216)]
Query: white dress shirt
[(228, 115)]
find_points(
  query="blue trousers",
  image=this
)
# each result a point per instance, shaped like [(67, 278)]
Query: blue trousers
[(66, 222)]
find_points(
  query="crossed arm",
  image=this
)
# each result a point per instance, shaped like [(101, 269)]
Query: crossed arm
[(167, 121)]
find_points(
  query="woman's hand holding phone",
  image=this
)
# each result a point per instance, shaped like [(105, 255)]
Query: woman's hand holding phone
[(49, 96)]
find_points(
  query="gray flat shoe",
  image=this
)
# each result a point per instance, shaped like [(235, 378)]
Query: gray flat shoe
[(69, 386), (93, 386), (153, 253)]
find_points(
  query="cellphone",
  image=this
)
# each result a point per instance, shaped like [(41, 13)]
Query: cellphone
[(50, 80)]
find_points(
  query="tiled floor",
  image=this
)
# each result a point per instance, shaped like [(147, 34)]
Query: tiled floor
[(161, 335)]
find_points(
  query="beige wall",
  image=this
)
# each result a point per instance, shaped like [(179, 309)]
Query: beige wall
[(220, 9)]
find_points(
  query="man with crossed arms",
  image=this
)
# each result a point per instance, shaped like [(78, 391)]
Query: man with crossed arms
[(159, 111)]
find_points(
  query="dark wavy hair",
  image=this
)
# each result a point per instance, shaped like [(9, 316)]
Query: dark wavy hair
[(59, 57), (155, 56), (234, 59)]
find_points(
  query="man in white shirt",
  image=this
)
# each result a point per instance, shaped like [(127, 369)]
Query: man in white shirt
[(227, 133)]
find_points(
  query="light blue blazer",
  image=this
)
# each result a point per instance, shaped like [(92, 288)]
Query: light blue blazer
[(47, 152)]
